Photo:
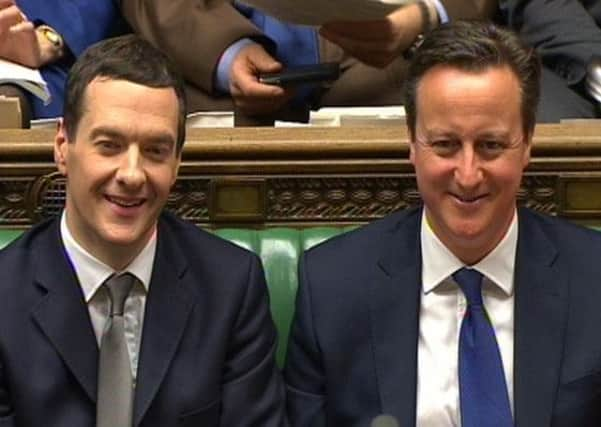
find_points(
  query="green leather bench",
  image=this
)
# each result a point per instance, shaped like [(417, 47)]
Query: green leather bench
[(279, 249)]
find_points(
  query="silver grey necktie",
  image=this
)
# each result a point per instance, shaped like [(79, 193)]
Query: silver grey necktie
[(115, 382)]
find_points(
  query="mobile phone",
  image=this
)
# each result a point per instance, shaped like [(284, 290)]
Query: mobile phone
[(326, 71)]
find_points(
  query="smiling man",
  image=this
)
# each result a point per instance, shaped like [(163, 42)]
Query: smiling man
[(466, 311), (117, 314)]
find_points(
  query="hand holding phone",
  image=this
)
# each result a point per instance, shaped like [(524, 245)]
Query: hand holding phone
[(294, 76)]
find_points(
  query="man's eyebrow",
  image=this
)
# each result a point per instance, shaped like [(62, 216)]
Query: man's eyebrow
[(104, 131), (496, 135), (160, 138), (438, 133), (112, 133)]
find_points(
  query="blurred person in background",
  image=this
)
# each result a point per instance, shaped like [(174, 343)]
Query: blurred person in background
[(567, 36), (48, 35), (222, 47), (565, 33)]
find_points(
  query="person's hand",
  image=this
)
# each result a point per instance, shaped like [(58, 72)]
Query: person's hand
[(250, 96), (18, 41), (378, 42)]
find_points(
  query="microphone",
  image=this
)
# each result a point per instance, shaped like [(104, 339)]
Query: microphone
[(384, 421)]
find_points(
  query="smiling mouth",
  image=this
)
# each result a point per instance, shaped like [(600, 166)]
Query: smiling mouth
[(468, 198), (125, 203)]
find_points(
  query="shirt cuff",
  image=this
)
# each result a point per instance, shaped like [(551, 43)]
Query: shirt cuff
[(222, 76), (443, 16)]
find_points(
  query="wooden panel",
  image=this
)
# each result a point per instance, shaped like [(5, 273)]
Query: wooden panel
[(305, 176)]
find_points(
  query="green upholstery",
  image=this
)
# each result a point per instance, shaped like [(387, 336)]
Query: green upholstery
[(6, 236), (279, 249)]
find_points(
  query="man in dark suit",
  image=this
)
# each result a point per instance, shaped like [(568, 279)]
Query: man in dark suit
[(195, 327), (466, 311)]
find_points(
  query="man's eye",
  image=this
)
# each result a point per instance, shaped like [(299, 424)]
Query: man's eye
[(492, 146), (444, 146), (157, 151), (108, 145)]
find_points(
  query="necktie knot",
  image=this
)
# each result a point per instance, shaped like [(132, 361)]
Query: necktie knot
[(470, 282), (119, 288)]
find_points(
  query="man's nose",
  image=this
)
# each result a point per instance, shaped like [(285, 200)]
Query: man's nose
[(468, 171), (131, 171)]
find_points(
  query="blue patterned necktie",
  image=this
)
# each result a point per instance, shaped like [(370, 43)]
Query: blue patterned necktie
[(482, 388)]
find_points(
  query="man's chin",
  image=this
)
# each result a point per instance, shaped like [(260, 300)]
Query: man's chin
[(127, 236), (469, 234)]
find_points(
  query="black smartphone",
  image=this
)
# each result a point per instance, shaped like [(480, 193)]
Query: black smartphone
[(326, 71)]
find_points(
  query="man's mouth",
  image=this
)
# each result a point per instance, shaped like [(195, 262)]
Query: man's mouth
[(125, 202), (465, 198)]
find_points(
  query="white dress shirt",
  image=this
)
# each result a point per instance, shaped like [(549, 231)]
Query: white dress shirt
[(92, 273), (441, 313)]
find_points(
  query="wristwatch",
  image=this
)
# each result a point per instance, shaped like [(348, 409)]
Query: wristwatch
[(52, 46), (51, 35)]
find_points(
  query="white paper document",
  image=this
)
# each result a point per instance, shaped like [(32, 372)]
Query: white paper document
[(210, 119), (318, 12), (28, 78), (393, 115)]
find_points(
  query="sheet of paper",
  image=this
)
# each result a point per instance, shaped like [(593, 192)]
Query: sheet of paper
[(329, 116), (210, 119), (28, 78), (47, 123), (318, 12), (393, 115)]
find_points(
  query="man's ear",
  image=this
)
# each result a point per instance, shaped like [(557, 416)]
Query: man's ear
[(176, 168), (411, 135), (526, 154), (61, 147)]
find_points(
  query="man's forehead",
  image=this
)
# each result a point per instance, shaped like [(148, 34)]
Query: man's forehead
[(459, 70), (144, 112), (129, 93)]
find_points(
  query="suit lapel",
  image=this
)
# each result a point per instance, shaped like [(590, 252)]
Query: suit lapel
[(394, 309), (168, 306), (540, 315), (62, 313)]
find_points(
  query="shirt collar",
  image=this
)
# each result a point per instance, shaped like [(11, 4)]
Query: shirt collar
[(438, 262), (91, 272)]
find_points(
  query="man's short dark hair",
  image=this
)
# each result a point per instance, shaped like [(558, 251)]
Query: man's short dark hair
[(127, 58), (476, 46)]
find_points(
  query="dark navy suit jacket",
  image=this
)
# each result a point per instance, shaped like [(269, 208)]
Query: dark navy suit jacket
[(207, 350), (353, 347)]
